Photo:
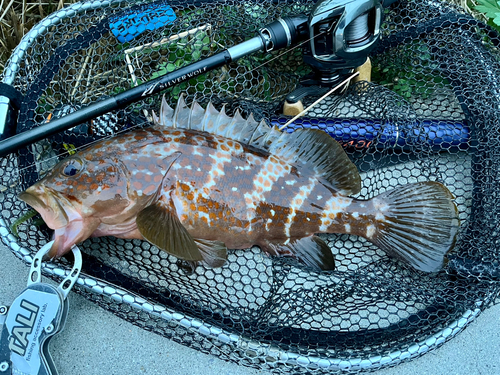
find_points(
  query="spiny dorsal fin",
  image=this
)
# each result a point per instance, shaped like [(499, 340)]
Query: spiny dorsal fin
[(196, 117), (210, 120), (181, 114), (309, 147), (166, 113)]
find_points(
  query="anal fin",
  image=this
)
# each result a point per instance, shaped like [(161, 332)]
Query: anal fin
[(162, 228), (312, 251)]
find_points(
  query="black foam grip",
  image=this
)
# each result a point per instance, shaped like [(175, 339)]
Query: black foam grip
[(12, 94)]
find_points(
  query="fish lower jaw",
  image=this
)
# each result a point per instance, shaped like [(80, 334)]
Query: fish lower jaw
[(65, 237)]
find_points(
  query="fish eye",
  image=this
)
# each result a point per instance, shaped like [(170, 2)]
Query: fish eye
[(72, 167)]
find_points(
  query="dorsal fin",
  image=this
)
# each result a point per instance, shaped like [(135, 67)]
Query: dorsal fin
[(307, 147), (321, 153), (196, 117)]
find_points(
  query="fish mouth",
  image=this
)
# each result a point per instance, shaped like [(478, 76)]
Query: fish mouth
[(47, 205), (60, 215)]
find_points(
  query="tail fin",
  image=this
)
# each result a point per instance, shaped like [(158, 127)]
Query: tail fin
[(420, 226)]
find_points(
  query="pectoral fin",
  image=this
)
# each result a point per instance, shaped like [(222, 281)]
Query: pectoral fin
[(162, 227)]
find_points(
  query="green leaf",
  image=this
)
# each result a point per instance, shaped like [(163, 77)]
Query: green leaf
[(488, 3), (496, 20), (489, 12), (488, 7), (196, 55), (170, 67)]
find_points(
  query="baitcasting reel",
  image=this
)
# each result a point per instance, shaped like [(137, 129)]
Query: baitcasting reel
[(342, 34)]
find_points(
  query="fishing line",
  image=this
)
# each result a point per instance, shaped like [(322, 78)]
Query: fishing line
[(320, 99), (288, 51)]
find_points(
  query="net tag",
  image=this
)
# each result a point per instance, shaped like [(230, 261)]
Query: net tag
[(148, 17), (35, 316)]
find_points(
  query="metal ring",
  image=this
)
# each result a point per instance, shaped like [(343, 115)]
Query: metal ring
[(397, 134), (287, 31)]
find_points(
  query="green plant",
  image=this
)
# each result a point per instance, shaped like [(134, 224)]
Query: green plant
[(491, 9), (409, 71)]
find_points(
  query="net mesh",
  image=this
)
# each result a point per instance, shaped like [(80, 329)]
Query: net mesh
[(434, 65)]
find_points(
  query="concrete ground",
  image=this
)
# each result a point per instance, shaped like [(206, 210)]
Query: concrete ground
[(96, 342)]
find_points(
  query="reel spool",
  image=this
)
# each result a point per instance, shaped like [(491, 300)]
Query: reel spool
[(342, 35)]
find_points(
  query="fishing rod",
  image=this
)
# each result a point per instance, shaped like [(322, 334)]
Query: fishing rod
[(279, 34), (341, 33)]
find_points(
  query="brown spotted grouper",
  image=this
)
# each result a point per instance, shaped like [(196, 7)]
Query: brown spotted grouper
[(198, 182)]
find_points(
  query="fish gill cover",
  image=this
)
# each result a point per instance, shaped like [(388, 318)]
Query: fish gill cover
[(435, 80)]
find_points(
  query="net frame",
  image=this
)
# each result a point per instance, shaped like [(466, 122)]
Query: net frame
[(239, 344)]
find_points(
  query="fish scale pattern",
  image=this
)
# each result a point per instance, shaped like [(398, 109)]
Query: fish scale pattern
[(430, 113)]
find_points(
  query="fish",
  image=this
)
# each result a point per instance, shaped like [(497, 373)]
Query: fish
[(198, 182)]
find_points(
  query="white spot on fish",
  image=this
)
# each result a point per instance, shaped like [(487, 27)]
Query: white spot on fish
[(319, 197), (204, 214), (217, 169), (379, 217), (196, 152), (243, 168), (297, 202), (287, 241), (290, 182), (198, 169), (347, 228), (272, 212), (355, 215), (370, 231), (308, 219), (268, 175), (268, 222), (380, 205), (234, 188), (180, 206), (334, 206)]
